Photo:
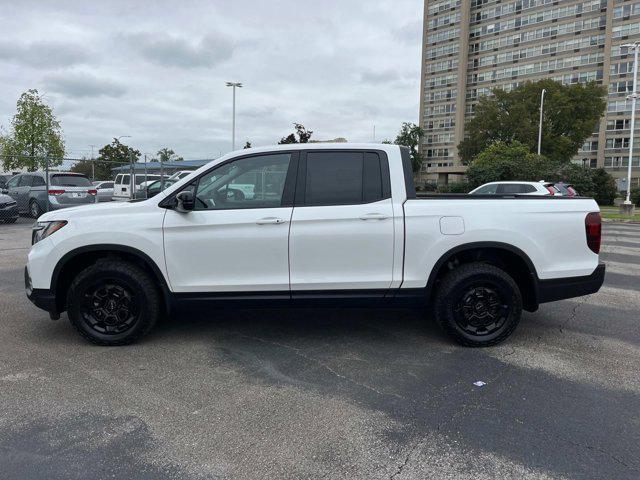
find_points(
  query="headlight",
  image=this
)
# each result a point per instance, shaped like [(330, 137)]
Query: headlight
[(42, 230)]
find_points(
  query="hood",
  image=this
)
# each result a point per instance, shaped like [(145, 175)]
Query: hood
[(91, 209)]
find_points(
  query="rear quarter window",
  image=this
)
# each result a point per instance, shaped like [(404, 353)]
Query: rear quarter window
[(38, 182)]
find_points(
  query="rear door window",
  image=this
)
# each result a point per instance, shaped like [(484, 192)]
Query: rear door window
[(345, 178), (528, 189), (334, 178), (25, 181), (70, 181), (510, 188)]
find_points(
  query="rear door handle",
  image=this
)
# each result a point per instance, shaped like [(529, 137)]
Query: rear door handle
[(374, 216), (270, 221)]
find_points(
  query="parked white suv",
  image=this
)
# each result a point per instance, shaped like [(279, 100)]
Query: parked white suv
[(325, 223), (124, 189), (516, 188)]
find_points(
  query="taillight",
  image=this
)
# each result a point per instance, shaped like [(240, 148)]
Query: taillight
[(56, 192), (593, 229), (551, 191), (92, 192)]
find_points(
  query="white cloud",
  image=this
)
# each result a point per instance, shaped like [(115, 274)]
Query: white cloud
[(158, 72)]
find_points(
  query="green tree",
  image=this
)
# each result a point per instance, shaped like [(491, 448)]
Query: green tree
[(409, 136), (604, 187), (508, 162), (303, 135), (83, 166), (35, 134), (571, 113), (114, 155), (165, 154), (578, 176), (247, 145)]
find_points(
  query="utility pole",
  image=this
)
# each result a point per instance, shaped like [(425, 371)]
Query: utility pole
[(93, 165), (628, 207), (145, 175), (234, 85), (544, 90)]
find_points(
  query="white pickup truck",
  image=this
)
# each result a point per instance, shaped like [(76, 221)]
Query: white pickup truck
[(326, 223)]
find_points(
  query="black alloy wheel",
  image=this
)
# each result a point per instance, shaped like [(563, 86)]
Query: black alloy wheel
[(110, 308), (478, 304)]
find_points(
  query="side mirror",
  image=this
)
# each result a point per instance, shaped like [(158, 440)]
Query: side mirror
[(186, 201)]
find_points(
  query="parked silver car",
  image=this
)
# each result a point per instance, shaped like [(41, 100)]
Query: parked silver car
[(8, 209), (66, 189), (105, 190)]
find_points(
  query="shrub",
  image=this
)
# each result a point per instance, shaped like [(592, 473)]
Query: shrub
[(635, 196), (454, 187), (604, 185), (508, 162)]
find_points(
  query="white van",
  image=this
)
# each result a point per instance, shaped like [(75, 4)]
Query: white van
[(122, 188)]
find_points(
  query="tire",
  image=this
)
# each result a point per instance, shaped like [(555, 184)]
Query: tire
[(113, 302), (478, 305), (34, 209)]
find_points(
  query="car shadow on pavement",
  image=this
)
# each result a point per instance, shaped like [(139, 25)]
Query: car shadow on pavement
[(397, 362)]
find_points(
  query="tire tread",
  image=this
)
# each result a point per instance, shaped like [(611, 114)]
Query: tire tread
[(146, 283), (450, 281)]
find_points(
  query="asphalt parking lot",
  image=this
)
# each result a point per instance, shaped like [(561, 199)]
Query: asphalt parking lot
[(325, 393)]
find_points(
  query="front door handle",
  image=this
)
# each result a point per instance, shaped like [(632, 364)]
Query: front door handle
[(270, 221), (374, 216)]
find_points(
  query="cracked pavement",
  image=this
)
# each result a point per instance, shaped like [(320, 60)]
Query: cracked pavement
[(325, 393)]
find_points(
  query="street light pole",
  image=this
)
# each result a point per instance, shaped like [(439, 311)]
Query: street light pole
[(544, 90), (233, 121), (633, 96), (93, 166)]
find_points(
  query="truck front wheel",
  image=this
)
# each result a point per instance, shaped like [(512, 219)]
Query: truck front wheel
[(113, 302), (478, 305)]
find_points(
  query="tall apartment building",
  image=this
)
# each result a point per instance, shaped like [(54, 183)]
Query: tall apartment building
[(473, 46)]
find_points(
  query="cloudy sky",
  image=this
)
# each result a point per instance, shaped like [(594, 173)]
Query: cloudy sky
[(157, 70)]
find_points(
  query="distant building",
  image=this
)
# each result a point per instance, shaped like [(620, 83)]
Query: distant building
[(473, 46)]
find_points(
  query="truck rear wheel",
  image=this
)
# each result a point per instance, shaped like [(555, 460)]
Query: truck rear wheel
[(113, 302), (477, 304)]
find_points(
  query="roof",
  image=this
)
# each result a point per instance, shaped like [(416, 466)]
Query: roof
[(182, 165), (193, 164), (518, 182)]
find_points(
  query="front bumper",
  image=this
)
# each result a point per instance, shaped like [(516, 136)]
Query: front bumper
[(570, 287), (41, 298)]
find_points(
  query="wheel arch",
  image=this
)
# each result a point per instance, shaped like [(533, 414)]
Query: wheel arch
[(78, 259), (503, 255)]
